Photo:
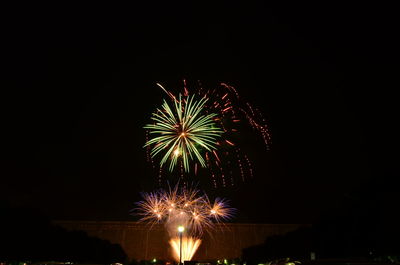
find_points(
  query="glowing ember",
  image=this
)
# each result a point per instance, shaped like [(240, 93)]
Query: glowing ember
[(189, 247)]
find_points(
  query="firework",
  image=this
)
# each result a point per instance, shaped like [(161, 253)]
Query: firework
[(220, 146), (185, 207), (189, 247), (183, 131)]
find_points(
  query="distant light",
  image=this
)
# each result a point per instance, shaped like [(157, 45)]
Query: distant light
[(181, 229), (154, 260), (225, 261)]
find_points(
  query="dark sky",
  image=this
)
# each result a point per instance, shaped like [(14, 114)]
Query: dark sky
[(79, 84)]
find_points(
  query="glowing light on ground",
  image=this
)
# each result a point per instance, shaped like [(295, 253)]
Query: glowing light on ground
[(189, 247)]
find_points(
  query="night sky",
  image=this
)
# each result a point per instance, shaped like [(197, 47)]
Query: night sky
[(78, 86)]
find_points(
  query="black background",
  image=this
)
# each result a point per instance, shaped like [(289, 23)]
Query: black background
[(79, 84)]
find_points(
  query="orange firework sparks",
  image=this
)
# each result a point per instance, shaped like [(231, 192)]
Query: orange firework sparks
[(186, 209), (184, 206)]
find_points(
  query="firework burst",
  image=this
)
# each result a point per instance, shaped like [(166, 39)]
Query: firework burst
[(183, 131), (213, 138), (185, 206)]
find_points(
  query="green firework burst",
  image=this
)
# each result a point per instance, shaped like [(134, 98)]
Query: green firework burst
[(183, 132)]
